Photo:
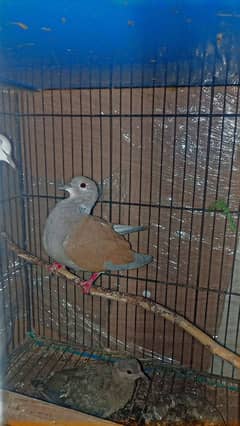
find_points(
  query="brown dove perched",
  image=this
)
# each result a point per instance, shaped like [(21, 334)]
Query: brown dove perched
[(82, 242)]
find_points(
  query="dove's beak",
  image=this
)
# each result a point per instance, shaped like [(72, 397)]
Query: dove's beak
[(5, 156), (64, 187), (11, 162)]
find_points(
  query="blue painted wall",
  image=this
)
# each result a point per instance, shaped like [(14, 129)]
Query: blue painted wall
[(72, 43)]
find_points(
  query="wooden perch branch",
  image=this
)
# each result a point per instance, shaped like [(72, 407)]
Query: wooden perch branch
[(148, 305)]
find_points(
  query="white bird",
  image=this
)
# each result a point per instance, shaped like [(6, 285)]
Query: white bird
[(6, 151)]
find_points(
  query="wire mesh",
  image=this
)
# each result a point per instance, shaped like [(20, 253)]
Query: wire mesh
[(162, 156), (38, 359)]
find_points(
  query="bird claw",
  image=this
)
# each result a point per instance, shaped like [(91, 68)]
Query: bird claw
[(55, 266), (86, 286)]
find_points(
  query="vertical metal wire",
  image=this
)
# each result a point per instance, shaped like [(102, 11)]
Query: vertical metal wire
[(160, 190), (161, 186), (178, 280), (172, 201), (73, 173), (151, 189), (139, 208), (204, 205), (91, 175), (23, 188), (64, 180), (214, 225), (129, 199), (109, 303), (37, 230), (47, 203), (101, 175), (18, 296), (5, 189), (83, 173), (25, 281), (26, 205), (224, 239), (4, 314), (55, 197), (4, 350), (193, 204), (173, 159), (45, 151), (120, 188)]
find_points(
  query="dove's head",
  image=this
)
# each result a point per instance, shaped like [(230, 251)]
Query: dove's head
[(129, 369), (5, 151), (83, 190)]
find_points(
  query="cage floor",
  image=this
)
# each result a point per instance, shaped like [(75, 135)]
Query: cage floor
[(159, 402)]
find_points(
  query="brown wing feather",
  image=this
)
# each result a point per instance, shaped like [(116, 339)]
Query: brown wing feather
[(92, 242)]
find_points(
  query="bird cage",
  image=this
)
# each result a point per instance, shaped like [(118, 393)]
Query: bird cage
[(142, 97)]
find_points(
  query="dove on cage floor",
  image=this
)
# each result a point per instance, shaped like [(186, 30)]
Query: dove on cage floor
[(96, 388), (82, 242)]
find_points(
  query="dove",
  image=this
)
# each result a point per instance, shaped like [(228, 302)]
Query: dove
[(76, 239), (96, 388), (6, 151)]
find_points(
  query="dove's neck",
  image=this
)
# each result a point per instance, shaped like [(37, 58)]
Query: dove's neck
[(84, 210), (83, 207)]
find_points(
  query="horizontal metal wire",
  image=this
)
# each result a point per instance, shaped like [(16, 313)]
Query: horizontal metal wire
[(131, 115), (142, 204)]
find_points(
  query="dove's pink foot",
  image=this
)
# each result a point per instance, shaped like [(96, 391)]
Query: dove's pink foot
[(55, 266), (86, 285)]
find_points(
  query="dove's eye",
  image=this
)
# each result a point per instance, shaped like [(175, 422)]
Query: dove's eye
[(129, 371), (83, 185)]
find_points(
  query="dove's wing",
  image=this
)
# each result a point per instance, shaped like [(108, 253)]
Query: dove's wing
[(128, 229), (92, 244)]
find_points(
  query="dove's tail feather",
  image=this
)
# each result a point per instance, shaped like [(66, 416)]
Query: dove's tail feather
[(128, 229), (139, 261)]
